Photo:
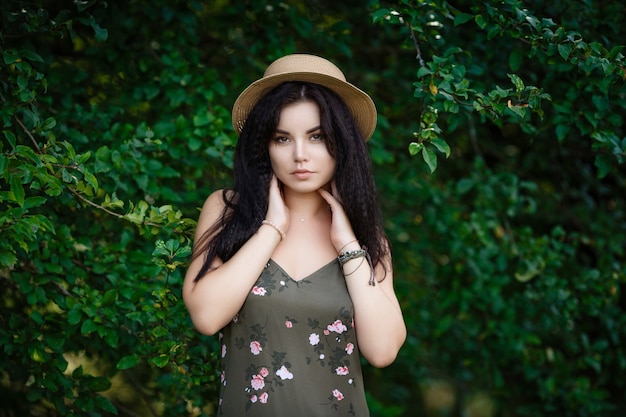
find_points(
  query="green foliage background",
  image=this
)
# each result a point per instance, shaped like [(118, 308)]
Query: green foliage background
[(499, 156)]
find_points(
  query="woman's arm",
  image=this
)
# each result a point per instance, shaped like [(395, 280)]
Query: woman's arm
[(216, 298), (378, 320), (380, 327)]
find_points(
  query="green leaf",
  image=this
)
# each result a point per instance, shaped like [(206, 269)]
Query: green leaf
[(91, 180), (67, 176), (464, 185), (31, 55), (480, 21), (105, 404), (518, 110), (100, 33), (36, 201), (202, 118), (415, 148), (109, 297), (128, 362), (112, 338), (564, 50), (461, 18), (160, 331), (4, 163), (27, 153), (88, 327), (423, 71), (17, 190), (430, 158), (7, 258), (97, 384), (82, 158), (534, 22), (603, 163), (161, 360), (48, 124), (10, 137), (74, 317), (380, 14), (10, 56), (615, 51), (34, 394), (441, 145), (172, 244), (517, 82), (561, 131)]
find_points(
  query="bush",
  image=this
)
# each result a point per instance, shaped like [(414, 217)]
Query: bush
[(507, 230)]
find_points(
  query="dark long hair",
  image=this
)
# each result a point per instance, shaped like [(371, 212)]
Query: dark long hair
[(246, 204)]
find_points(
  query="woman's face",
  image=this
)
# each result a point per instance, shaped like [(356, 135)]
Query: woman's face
[(298, 151)]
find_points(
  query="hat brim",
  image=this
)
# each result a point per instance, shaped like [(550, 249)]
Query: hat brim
[(358, 102)]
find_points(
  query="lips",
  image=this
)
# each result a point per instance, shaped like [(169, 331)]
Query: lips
[(302, 174)]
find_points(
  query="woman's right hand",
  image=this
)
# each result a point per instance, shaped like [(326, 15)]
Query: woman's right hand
[(277, 211)]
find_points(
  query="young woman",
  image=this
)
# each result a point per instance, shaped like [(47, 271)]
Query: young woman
[(291, 266)]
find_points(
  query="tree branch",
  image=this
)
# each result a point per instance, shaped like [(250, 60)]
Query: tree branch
[(19, 122), (417, 46), (98, 206)]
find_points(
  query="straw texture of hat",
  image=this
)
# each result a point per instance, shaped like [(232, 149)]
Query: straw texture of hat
[(307, 68)]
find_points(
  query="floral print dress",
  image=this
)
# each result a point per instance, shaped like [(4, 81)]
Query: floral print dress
[(292, 350)]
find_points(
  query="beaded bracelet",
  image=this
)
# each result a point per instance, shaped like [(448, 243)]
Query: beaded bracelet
[(278, 229), (353, 254)]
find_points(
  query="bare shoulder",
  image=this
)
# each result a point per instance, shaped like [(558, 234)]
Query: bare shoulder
[(212, 210)]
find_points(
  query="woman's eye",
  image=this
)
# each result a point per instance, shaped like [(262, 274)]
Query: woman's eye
[(317, 137), (281, 139)]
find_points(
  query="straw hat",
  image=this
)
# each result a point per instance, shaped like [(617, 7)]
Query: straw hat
[(308, 68)]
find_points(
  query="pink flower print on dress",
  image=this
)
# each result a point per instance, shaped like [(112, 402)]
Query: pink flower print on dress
[(288, 324), (342, 370), (258, 291), (223, 378), (253, 399), (264, 372), (337, 394), (314, 339), (257, 382), (255, 347), (263, 398), (284, 373), (337, 327), (349, 348), (223, 351)]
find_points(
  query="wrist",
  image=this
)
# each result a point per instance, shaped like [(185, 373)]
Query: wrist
[(277, 228), (350, 255)]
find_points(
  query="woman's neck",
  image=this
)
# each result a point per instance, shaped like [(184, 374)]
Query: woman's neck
[(303, 207)]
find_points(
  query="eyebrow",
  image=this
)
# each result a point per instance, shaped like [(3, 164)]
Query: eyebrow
[(284, 132)]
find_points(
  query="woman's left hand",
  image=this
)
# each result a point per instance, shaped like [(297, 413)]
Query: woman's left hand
[(341, 232)]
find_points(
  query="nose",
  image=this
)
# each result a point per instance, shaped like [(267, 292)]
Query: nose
[(300, 151)]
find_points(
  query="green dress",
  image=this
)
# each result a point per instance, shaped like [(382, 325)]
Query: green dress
[(292, 350)]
